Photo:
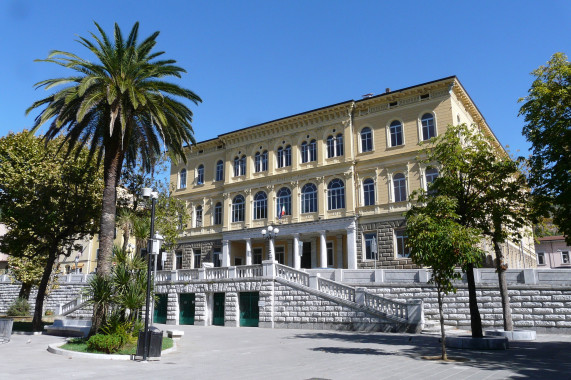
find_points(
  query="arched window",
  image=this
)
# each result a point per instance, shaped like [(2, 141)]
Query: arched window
[(308, 198), (428, 127), (238, 208), (368, 192), (284, 156), (339, 144), (198, 216), (239, 166), (430, 175), (312, 150), (261, 161), (218, 213), (304, 152), (260, 205), (335, 194), (330, 146), (399, 186), (366, 139), (283, 202), (200, 175), (182, 176), (396, 133), (220, 170)]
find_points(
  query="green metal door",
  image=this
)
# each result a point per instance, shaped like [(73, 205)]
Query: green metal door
[(160, 313), (249, 310), (218, 309), (186, 315)]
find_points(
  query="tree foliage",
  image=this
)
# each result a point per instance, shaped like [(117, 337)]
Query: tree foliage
[(48, 202), (438, 241), (120, 106), (547, 114), (490, 194)]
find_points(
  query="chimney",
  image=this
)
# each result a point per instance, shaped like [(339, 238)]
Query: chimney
[(387, 90)]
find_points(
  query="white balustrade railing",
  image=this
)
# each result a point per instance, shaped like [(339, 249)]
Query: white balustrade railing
[(387, 306), (74, 304), (292, 275), (216, 273), (163, 276), (249, 271), (187, 274), (336, 289)]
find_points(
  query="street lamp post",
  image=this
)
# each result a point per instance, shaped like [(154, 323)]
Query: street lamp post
[(153, 195), (76, 262), (270, 234)]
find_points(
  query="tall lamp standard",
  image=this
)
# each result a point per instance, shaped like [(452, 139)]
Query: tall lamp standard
[(153, 195), (270, 235)]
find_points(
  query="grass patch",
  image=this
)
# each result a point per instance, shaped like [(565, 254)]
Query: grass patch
[(80, 345)]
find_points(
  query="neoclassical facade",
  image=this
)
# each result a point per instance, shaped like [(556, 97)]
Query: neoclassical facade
[(335, 181)]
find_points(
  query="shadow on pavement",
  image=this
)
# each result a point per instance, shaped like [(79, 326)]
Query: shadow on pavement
[(531, 360)]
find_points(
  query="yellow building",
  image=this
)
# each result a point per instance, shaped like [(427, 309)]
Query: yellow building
[(335, 181)]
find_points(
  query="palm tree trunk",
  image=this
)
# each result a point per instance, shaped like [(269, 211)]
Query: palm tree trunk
[(38, 310), (126, 237), (112, 169), (501, 269), (475, 318)]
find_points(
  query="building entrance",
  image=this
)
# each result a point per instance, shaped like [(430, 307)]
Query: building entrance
[(306, 255), (187, 308), (218, 309), (160, 312), (249, 309)]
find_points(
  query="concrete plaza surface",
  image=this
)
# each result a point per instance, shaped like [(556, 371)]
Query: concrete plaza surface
[(255, 353)]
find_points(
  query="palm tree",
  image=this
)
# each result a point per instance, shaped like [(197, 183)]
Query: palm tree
[(120, 108), (125, 223)]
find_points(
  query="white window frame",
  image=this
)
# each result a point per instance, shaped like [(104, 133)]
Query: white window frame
[(368, 256), (405, 187), (361, 140), (420, 127), (181, 184), (396, 244), (542, 255), (388, 132), (563, 255), (363, 192)]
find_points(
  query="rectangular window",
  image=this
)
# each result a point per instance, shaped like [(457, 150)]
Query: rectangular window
[(565, 257), (257, 259), (178, 264), (540, 258), (371, 248), (216, 258), (329, 253), (199, 216), (280, 255), (400, 240), (197, 255)]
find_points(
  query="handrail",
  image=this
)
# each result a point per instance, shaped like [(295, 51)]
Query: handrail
[(292, 275), (73, 305), (387, 306), (216, 273), (336, 289), (187, 274), (249, 271)]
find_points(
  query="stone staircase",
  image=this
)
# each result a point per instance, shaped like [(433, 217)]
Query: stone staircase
[(402, 316)]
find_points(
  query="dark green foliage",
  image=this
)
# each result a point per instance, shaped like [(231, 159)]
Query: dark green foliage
[(547, 113), (19, 308), (105, 343)]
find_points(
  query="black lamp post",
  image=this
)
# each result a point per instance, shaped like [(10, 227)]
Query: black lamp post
[(153, 195)]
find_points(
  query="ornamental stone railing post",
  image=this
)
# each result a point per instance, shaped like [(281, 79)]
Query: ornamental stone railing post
[(202, 273), (269, 268), (529, 276), (379, 275), (338, 275), (174, 275), (360, 296), (423, 276), (415, 314), (313, 280), (232, 272)]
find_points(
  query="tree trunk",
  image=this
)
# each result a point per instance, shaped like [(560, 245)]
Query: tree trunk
[(442, 331), (112, 169), (25, 290), (501, 269), (38, 310), (475, 319), (126, 237)]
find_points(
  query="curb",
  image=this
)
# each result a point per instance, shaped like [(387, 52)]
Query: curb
[(54, 348)]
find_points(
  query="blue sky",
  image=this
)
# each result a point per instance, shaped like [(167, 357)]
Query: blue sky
[(256, 61)]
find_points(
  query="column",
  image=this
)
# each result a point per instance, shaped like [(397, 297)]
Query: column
[(191, 258), (271, 204), (248, 251), (296, 257), (321, 197), (249, 208), (339, 249), (322, 249), (225, 253), (352, 246), (295, 201)]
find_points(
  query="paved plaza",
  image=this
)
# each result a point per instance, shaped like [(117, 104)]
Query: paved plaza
[(255, 353)]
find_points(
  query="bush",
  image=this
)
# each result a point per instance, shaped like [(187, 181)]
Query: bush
[(105, 343), (19, 308)]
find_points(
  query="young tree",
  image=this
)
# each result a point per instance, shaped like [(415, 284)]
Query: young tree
[(120, 106), (547, 113), (48, 202), (438, 241), (490, 194)]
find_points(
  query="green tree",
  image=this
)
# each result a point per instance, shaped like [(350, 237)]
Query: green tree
[(547, 114), (438, 241), (48, 202), (121, 108), (490, 194)]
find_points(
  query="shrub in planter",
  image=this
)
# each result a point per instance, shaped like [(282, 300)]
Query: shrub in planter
[(19, 308), (105, 343), (49, 312)]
